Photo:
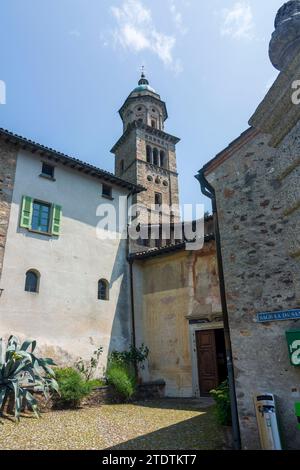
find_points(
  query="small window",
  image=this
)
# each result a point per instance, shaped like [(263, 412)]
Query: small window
[(122, 166), (162, 158), (103, 290), (32, 281), (47, 170), (158, 199), (155, 156), (153, 124), (107, 191), (40, 217), (149, 153)]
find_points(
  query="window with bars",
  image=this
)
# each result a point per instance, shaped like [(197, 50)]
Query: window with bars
[(47, 170)]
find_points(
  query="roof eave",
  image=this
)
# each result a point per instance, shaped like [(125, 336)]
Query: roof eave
[(66, 160), (230, 150)]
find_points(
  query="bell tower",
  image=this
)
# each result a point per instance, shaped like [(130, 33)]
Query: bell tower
[(146, 155)]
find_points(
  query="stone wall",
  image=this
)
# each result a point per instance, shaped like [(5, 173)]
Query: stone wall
[(8, 160), (132, 152), (258, 200)]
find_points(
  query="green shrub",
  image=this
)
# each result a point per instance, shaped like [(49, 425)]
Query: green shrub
[(88, 368), (122, 378), (97, 383), (72, 387), (135, 356), (222, 399)]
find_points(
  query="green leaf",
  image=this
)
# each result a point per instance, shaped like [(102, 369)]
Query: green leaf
[(2, 396)]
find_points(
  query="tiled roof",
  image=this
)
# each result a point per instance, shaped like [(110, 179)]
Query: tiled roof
[(66, 160), (150, 253)]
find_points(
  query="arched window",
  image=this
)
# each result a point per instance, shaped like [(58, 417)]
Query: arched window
[(155, 156), (103, 290), (162, 158), (32, 281), (149, 153)]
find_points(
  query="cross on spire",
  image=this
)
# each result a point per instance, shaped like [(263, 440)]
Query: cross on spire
[(143, 79)]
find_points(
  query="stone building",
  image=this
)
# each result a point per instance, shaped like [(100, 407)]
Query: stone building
[(255, 183), (179, 317), (61, 283), (146, 155), (73, 286)]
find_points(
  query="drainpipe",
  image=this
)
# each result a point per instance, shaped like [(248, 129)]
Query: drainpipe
[(131, 261), (208, 190)]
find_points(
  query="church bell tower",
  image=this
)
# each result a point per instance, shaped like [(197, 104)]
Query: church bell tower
[(146, 155)]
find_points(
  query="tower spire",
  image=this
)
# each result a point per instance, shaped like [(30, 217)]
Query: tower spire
[(143, 80)]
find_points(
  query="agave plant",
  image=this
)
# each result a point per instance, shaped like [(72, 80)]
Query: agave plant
[(20, 370)]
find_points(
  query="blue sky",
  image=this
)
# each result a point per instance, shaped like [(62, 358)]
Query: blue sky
[(69, 65)]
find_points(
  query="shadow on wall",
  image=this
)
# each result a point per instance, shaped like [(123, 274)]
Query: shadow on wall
[(120, 338)]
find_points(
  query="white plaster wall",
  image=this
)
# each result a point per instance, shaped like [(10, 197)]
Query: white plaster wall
[(65, 316)]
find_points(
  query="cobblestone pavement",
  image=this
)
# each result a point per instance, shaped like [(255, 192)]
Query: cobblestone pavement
[(152, 425)]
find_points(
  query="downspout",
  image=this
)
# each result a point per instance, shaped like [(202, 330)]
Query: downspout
[(208, 190), (133, 334), (130, 260)]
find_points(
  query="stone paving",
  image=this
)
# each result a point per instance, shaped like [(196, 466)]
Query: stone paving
[(152, 425)]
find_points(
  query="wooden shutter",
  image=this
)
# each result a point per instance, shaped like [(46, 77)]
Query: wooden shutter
[(56, 219), (26, 213)]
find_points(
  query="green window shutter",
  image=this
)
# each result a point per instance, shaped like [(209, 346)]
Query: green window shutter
[(56, 219), (26, 213)]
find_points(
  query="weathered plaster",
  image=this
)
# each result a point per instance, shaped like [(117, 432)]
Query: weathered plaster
[(65, 317), (174, 289)]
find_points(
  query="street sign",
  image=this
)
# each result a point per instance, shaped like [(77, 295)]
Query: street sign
[(278, 316), (293, 340)]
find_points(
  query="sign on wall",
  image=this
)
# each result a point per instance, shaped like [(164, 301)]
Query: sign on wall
[(278, 316), (293, 340)]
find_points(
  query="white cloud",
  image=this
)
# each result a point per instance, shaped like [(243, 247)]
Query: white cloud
[(238, 22), (177, 17), (75, 33), (137, 32)]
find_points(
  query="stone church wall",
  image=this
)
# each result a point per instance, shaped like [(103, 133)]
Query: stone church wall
[(258, 201)]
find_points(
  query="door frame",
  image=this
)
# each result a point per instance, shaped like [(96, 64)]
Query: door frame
[(194, 327)]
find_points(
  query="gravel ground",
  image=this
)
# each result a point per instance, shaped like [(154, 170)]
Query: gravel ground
[(152, 425)]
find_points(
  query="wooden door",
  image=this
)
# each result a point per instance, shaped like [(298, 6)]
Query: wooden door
[(207, 361)]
